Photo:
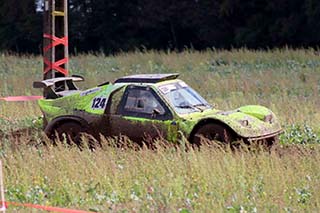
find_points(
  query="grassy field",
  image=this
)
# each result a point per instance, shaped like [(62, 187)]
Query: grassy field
[(285, 179)]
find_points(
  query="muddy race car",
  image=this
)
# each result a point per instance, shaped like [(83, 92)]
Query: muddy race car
[(146, 107)]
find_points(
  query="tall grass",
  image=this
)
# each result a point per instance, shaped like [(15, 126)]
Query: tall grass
[(113, 179), (165, 180)]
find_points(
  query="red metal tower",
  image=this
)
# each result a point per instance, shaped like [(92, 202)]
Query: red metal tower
[(55, 41)]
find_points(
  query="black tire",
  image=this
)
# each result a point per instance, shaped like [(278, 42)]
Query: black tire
[(270, 142), (266, 144), (213, 132), (70, 132)]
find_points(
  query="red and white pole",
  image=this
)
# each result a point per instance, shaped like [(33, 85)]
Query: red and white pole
[(3, 206)]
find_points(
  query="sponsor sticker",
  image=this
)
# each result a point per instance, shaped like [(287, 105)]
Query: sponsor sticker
[(167, 88), (183, 84), (90, 91)]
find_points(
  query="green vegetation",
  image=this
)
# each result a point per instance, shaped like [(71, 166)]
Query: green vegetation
[(284, 179)]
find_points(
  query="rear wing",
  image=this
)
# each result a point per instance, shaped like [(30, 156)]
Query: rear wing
[(53, 91)]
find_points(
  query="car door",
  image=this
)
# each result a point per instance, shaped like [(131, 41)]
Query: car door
[(142, 116)]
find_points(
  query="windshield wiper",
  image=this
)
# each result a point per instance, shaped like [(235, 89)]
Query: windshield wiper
[(185, 106), (188, 107), (199, 106), (195, 105), (202, 104)]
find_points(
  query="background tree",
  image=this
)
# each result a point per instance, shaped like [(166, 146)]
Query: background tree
[(20, 26), (123, 25)]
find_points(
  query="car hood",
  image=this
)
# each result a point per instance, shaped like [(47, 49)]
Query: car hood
[(250, 121)]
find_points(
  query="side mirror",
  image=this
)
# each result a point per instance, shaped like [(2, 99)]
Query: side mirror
[(156, 111)]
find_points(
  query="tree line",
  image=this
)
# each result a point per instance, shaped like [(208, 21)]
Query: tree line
[(124, 25)]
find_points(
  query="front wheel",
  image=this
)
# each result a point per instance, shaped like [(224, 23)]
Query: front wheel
[(213, 132), (268, 143)]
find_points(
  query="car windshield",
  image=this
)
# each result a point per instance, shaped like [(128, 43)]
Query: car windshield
[(183, 98)]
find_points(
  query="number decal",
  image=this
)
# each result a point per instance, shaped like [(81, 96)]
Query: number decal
[(99, 103)]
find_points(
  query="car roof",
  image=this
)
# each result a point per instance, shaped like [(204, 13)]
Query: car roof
[(147, 78)]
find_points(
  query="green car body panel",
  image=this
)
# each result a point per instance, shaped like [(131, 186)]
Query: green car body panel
[(99, 110)]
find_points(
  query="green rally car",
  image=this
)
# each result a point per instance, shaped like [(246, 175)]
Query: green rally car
[(145, 107)]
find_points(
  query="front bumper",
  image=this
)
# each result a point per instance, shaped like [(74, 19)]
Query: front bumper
[(262, 137)]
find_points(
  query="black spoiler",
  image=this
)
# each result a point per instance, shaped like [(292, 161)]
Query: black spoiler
[(52, 82), (53, 89)]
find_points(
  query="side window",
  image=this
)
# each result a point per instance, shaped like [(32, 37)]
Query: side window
[(142, 101)]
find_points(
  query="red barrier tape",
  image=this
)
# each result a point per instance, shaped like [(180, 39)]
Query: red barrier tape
[(21, 98), (6, 118), (46, 208)]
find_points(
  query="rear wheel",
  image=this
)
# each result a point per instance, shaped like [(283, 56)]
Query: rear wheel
[(213, 132), (69, 132)]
